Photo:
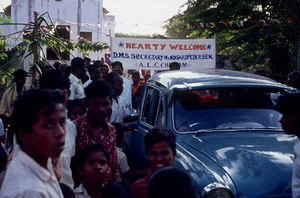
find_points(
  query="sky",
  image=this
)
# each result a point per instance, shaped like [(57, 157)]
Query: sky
[(137, 16)]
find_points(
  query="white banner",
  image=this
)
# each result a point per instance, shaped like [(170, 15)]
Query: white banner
[(157, 54)]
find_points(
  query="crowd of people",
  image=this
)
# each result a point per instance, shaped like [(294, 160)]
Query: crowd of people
[(64, 138)]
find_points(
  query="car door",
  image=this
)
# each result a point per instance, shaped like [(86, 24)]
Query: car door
[(151, 113)]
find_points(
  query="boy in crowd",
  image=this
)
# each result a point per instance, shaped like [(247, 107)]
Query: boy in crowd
[(76, 109), (39, 120), (52, 80), (93, 128), (93, 169), (161, 151), (288, 104)]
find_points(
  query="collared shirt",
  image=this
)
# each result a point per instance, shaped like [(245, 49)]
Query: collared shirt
[(9, 96), (105, 136), (118, 111), (89, 81), (296, 171), (81, 192), (67, 154), (65, 157), (140, 187), (76, 88), (25, 178), (126, 95)]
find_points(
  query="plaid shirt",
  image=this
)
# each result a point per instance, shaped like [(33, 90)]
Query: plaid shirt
[(140, 187), (105, 136)]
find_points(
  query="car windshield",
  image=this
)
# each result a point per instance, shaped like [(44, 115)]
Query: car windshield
[(226, 108)]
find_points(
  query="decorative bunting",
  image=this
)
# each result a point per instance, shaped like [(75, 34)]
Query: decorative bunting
[(219, 24)]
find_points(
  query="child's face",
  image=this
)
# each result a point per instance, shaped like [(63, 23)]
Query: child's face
[(47, 137), (76, 112), (95, 167), (160, 155), (99, 108)]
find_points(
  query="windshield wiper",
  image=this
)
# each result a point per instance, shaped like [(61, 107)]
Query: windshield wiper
[(238, 129)]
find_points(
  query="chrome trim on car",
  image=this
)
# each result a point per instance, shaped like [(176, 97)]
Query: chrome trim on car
[(212, 186)]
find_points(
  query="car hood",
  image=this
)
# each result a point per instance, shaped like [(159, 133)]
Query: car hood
[(262, 160)]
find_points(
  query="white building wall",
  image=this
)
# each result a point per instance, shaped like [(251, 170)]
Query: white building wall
[(108, 30), (80, 13)]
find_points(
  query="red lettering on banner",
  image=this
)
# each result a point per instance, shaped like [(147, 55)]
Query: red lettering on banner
[(147, 46), (173, 47), (155, 46), (140, 46), (162, 46)]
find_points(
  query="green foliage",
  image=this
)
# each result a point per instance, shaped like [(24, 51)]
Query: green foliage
[(36, 35), (273, 41)]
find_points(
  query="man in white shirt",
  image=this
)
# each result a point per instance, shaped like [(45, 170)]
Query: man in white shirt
[(288, 104), (118, 107), (95, 74), (126, 95), (78, 70), (39, 120)]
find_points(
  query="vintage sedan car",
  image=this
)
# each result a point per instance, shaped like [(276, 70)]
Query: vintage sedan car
[(228, 134)]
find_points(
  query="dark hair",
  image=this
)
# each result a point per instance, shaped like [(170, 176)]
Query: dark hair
[(54, 79), (99, 88), (117, 63), (20, 73), (116, 190), (157, 135), (92, 68), (110, 77), (98, 63), (136, 73), (174, 66), (120, 129), (87, 150), (47, 68), (171, 182), (68, 70), (56, 65), (75, 103), (66, 190), (27, 107), (288, 101), (87, 59), (77, 63)]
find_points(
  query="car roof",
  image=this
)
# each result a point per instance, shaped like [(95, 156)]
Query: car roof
[(211, 77)]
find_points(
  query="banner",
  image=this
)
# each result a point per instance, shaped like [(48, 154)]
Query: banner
[(157, 54)]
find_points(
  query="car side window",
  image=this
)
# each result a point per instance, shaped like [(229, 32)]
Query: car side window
[(160, 121), (151, 104)]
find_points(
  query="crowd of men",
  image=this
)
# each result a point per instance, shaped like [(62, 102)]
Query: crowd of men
[(63, 139)]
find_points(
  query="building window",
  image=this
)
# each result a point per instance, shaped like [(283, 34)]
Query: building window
[(86, 35), (63, 33)]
